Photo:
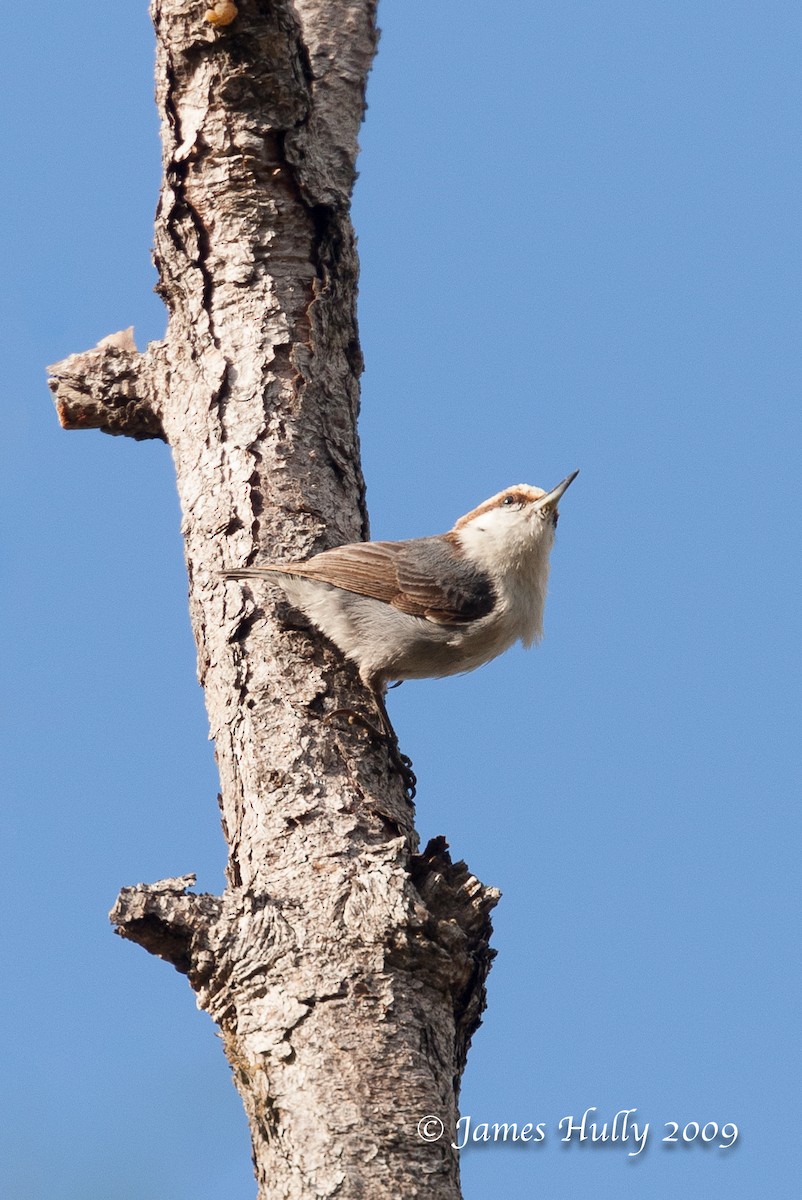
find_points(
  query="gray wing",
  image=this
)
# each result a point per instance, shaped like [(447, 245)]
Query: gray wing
[(425, 577)]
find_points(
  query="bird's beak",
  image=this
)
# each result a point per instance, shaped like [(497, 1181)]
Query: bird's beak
[(552, 498)]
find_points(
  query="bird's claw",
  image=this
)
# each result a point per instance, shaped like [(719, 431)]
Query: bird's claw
[(401, 762), (403, 765)]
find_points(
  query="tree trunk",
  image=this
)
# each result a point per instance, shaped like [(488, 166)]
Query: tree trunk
[(345, 970)]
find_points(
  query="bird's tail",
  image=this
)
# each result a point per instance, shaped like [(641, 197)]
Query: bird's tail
[(250, 572)]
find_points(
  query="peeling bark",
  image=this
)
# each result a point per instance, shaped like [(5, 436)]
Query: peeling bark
[(345, 970)]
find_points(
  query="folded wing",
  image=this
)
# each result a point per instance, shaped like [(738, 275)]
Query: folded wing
[(424, 577)]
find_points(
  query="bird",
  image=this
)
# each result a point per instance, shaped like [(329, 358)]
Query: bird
[(432, 606)]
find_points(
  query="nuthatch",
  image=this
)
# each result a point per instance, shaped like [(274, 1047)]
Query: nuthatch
[(431, 606)]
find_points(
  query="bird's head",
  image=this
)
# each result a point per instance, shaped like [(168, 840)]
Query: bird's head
[(511, 525)]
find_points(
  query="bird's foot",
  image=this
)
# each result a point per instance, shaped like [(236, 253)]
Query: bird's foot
[(355, 718), (401, 762), (403, 765)]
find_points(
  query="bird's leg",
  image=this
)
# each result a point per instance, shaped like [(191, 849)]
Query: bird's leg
[(386, 734), (401, 762)]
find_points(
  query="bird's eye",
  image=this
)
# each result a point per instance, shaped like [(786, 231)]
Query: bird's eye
[(508, 501)]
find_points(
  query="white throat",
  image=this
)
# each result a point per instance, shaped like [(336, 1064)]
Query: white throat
[(514, 550)]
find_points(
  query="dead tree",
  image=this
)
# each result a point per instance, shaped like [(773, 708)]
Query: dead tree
[(345, 969)]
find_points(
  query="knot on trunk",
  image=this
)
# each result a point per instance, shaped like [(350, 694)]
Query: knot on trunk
[(226, 944), (110, 388), (168, 921), (448, 943)]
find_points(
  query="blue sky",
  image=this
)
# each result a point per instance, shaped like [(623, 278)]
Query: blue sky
[(579, 230)]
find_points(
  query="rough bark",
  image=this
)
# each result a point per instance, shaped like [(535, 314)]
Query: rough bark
[(345, 970)]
